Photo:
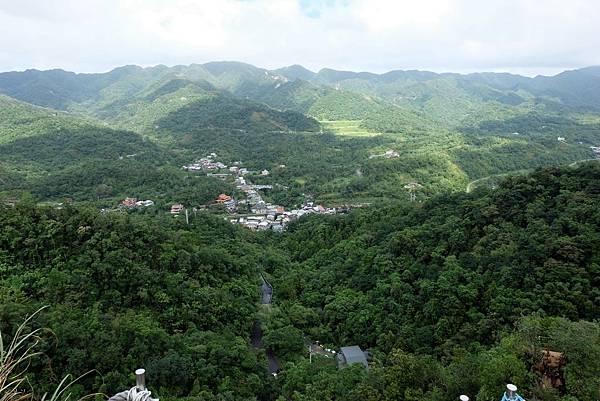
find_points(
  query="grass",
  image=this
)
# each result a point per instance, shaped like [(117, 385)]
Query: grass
[(14, 362), (350, 128), (12, 358)]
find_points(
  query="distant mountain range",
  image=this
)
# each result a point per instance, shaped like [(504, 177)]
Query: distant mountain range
[(62, 90), (391, 102), (448, 129)]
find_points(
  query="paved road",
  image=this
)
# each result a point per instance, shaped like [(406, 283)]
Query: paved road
[(273, 362), (582, 161), (515, 172), (266, 298), (266, 292), (470, 185)]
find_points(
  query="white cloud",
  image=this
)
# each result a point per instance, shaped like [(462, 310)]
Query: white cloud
[(383, 16), (458, 35)]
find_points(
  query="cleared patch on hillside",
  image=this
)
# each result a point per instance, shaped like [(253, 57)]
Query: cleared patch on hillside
[(349, 128)]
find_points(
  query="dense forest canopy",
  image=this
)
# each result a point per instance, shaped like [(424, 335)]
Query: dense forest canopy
[(493, 266), (461, 293), (127, 291)]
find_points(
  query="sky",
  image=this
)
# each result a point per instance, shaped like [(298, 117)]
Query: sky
[(528, 37)]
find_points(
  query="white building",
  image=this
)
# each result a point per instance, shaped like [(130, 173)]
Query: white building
[(145, 203)]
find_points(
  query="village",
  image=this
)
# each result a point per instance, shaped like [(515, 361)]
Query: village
[(251, 211)]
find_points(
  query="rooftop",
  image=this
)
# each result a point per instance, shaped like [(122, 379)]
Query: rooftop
[(353, 355)]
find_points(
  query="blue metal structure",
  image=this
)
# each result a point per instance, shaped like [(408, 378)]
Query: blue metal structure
[(515, 397)]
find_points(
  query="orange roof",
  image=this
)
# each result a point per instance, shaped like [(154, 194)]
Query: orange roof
[(223, 198)]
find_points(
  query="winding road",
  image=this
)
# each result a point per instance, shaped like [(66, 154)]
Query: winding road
[(522, 171), (470, 185), (574, 164)]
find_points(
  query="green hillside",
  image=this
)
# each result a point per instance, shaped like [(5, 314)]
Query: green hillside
[(458, 294), (448, 99), (446, 129), (55, 155), (19, 120), (330, 104), (117, 284), (220, 110)]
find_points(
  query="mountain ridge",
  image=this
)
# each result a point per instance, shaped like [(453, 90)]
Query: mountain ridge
[(424, 91), (594, 68)]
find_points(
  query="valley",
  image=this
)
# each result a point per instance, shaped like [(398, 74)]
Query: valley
[(446, 224)]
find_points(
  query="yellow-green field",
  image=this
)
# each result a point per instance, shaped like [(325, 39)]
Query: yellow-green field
[(346, 128)]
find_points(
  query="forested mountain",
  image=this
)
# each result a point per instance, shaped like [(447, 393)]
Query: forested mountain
[(222, 231), (452, 279), (130, 290), (35, 141), (20, 120), (459, 294), (204, 106), (576, 89), (446, 129), (327, 103), (396, 101), (450, 98), (55, 155)]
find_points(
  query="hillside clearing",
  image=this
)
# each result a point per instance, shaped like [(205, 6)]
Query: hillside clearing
[(349, 128)]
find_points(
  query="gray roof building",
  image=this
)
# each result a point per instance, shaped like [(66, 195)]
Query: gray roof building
[(352, 355)]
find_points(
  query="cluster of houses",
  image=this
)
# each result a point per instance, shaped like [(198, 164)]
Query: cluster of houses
[(265, 216), (262, 215), (276, 218), (209, 163), (217, 169), (253, 211), (206, 163), (133, 203)]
